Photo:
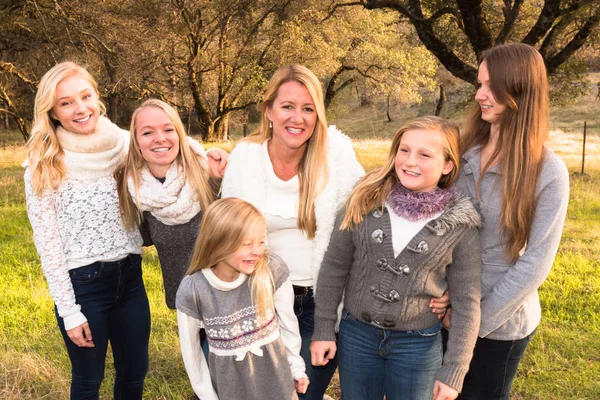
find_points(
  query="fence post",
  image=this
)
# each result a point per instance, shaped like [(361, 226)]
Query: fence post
[(584, 140)]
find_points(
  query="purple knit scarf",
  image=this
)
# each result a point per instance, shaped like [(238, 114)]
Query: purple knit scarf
[(414, 206)]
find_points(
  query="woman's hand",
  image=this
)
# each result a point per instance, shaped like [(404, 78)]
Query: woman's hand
[(446, 320), (321, 351), (440, 305), (301, 384), (81, 335), (217, 161), (443, 392)]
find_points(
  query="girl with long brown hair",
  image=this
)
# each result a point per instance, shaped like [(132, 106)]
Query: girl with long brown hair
[(522, 190), (244, 299)]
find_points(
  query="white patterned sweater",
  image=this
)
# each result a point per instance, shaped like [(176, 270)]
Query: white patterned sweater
[(79, 223)]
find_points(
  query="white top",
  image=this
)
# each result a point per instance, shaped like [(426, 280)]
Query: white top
[(404, 230), (246, 179), (281, 211)]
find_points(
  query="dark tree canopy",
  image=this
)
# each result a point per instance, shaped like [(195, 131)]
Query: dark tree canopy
[(456, 32)]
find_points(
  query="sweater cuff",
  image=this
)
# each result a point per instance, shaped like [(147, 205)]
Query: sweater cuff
[(452, 375), (74, 320), (324, 330)]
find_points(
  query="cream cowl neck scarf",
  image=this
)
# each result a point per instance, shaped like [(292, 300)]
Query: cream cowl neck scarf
[(89, 157), (172, 202)]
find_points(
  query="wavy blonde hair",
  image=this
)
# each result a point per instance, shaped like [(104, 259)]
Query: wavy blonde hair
[(44, 153), (195, 169), (225, 226), (374, 188), (518, 81), (313, 172)]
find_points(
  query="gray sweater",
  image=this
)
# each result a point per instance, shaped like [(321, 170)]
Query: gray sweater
[(174, 245), (394, 294), (510, 306)]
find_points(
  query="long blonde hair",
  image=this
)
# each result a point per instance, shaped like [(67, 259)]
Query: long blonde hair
[(313, 172), (518, 81), (195, 169), (225, 226), (374, 188), (44, 153)]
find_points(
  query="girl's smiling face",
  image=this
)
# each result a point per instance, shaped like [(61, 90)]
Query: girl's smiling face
[(421, 159), (77, 106), (157, 139), (490, 108), (246, 256)]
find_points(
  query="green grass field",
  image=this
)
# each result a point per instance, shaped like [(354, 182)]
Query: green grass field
[(563, 361)]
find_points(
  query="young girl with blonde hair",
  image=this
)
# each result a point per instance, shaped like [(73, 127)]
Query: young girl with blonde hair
[(243, 298), (404, 237), (164, 184), (91, 261), (522, 191)]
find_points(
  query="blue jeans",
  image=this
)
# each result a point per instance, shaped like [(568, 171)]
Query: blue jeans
[(493, 368), (400, 364), (113, 299), (304, 307)]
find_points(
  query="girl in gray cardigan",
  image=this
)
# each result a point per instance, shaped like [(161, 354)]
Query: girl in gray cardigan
[(404, 237)]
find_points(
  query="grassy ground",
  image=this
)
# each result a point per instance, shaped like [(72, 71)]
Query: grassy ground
[(563, 361)]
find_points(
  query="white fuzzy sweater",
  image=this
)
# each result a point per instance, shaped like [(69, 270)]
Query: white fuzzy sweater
[(79, 223), (245, 179)]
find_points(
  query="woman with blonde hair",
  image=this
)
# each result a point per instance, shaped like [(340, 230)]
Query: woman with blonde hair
[(243, 298), (297, 172), (164, 184), (91, 261), (522, 191)]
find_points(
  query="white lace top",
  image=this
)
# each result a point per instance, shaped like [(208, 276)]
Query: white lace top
[(79, 223)]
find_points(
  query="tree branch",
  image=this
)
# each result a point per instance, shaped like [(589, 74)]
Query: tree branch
[(579, 40), (550, 12), (475, 25), (510, 16)]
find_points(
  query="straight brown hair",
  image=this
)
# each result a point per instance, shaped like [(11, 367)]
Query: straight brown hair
[(518, 81)]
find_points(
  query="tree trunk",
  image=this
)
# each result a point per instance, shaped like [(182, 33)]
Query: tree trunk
[(440, 103), (387, 109), (221, 129), (113, 108)]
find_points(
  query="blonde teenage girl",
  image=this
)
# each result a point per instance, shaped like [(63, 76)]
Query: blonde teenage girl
[(244, 299), (405, 236), (164, 185), (91, 262), (522, 190)]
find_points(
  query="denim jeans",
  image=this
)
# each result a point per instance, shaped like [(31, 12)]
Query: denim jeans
[(400, 364), (304, 307), (113, 299), (493, 368)]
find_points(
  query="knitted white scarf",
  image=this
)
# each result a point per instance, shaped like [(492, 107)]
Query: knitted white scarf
[(90, 157), (173, 202)]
